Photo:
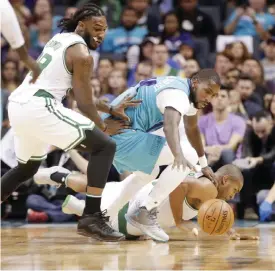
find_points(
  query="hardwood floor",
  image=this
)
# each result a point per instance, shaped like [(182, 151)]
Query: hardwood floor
[(58, 247)]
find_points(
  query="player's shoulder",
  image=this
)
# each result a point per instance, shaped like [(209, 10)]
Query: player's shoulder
[(202, 185)]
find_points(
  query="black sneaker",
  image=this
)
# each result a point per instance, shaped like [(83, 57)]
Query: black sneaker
[(95, 226)]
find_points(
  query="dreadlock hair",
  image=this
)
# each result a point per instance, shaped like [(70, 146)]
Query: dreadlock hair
[(82, 14), (207, 75)]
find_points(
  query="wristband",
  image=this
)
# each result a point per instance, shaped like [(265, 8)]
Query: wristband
[(203, 161)]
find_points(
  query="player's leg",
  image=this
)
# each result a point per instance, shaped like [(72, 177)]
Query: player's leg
[(67, 130), (30, 152), (61, 176), (129, 187), (137, 152), (144, 217)]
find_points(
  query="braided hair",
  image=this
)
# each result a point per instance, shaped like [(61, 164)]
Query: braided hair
[(84, 13)]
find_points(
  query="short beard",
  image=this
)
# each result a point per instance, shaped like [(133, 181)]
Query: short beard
[(87, 39)]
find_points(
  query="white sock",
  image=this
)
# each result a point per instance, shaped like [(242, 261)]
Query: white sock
[(167, 182), (130, 186), (74, 206)]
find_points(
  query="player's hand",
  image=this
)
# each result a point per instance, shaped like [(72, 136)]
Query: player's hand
[(118, 110), (180, 163), (34, 67), (254, 161), (115, 126), (238, 236), (187, 230), (208, 172), (265, 210)]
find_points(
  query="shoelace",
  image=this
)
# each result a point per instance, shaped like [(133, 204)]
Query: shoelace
[(103, 221), (153, 216)]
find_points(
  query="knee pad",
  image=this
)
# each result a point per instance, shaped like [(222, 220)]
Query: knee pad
[(111, 146), (97, 141)]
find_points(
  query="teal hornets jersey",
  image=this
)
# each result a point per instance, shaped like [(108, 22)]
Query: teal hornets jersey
[(138, 149), (147, 117)]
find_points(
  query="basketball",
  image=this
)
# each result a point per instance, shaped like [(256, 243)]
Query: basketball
[(215, 217)]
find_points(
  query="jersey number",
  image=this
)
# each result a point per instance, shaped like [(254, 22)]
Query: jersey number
[(43, 61)]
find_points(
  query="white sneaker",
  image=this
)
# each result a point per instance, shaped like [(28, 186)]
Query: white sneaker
[(146, 221), (43, 175), (73, 205)]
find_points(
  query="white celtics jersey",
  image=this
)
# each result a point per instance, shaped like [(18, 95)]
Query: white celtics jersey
[(165, 216), (55, 77)]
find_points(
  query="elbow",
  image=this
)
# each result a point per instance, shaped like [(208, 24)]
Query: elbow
[(191, 128), (170, 126)]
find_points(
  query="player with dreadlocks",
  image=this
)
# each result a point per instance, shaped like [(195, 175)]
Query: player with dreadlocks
[(39, 119)]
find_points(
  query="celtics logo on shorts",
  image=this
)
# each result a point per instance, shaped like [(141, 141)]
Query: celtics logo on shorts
[(192, 174)]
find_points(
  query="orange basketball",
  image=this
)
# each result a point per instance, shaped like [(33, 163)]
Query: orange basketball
[(215, 217)]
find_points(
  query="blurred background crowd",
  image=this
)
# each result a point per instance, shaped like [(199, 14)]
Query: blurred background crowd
[(150, 38)]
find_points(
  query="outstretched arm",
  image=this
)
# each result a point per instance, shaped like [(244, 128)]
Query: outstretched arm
[(82, 66)]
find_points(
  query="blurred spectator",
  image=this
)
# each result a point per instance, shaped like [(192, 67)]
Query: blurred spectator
[(268, 62), (142, 52), (239, 53), (231, 77), (267, 207), (252, 102), (146, 48), (222, 132), (148, 16), (4, 111), (191, 67), (172, 36), (116, 85), (96, 87), (186, 52), (43, 33), (251, 20), (236, 105), (70, 11), (222, 65), (271, 107), (144, 71), (120, 39), (121, 65), (44, 205), (160, 59), (196, 22), (111, 8), (105, 66), (44, 8), (254, 68), (259, 151), (10, 75)]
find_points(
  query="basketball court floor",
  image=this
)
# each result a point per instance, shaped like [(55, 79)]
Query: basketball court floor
[(58, 247)]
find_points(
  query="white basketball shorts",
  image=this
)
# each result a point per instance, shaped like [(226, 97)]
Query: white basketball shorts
[(42, 122)]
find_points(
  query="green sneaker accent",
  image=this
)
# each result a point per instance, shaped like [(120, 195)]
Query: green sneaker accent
[(64, 204)]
